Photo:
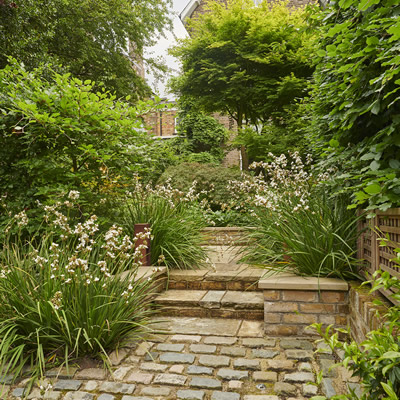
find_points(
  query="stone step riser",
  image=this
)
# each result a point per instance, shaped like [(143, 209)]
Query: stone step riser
[(198, 312), (214, 285)]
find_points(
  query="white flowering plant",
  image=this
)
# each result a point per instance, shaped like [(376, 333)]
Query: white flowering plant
[(298, 226), (63, 296)]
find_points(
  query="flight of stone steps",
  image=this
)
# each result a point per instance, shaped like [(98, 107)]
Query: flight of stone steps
[(225, 289)]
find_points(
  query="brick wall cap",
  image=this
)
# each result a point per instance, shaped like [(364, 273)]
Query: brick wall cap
[(293, 282)]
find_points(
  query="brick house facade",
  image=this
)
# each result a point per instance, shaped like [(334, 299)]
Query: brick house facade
[(162, 123)]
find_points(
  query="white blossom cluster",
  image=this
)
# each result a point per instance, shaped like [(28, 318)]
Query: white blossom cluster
[(284, 178), (21, 219), (76, 254)]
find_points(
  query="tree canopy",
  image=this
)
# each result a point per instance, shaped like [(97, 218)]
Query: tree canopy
[(90, 38), (248, 61)]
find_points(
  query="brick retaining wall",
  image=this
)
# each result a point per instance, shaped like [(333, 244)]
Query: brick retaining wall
[(362, 313), (292, 303)]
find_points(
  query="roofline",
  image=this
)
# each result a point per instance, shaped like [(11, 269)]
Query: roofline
[(188, 10)]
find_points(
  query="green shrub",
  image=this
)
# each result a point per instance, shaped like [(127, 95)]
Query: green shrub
[(58, 134), (211, 180), (175, 228), (376, 361), (62, 295)]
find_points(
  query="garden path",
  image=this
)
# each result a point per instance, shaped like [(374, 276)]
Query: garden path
[(202, 358)]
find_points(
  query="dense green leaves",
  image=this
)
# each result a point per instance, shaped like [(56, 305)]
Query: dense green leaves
[(356, 97), (201, 136), (58, 134), (98, 40)]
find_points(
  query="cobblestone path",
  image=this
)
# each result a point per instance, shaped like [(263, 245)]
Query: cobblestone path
[(224, 360)]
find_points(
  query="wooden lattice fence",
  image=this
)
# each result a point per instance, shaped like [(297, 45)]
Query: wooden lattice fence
[(386, 224)]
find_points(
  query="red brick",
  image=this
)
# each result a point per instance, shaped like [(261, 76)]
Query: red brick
[(272, 318), (299, 295), (271, 295), (327, 319), (317, 308), (300, 318), (342, 308), (211, 285), (195, 285), (180, 285), (280, 307), (257, 315), (333, 297)]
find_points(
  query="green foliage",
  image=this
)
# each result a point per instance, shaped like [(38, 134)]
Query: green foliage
[(318, 239), (274, 139), (211, 180), (376, 361), (175, 227), (229, 217), (356, 108), (248, 61), (200, 134), (59, 134), (63, 296), (89, 38)]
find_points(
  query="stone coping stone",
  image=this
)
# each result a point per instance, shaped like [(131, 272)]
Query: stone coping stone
[(286, 281)]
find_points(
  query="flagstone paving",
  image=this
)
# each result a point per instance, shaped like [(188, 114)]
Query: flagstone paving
[(197, 358)]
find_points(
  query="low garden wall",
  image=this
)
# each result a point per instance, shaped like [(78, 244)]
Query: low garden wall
[(363, 312), (292, 303)]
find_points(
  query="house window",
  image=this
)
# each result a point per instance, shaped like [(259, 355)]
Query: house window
[(176, 123)]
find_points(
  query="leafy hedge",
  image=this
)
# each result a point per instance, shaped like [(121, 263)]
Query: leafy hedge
[(355, 100), (212, 179), (57, 133)]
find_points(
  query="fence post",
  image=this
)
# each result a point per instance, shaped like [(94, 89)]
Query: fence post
[(146, 255)]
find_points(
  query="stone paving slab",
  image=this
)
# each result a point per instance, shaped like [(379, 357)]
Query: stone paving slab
[(201, 326), (243, 300), (207, 360)]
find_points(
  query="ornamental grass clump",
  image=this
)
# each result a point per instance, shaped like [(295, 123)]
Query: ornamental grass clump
[(63, 297), (176, 224), (298, 227)]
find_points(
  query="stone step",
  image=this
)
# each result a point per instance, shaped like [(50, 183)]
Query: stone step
[(223, 254), (242, 278), (212, 304), (224, 236)]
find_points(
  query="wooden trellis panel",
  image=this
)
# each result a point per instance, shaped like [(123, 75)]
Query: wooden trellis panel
[(386, 224)]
